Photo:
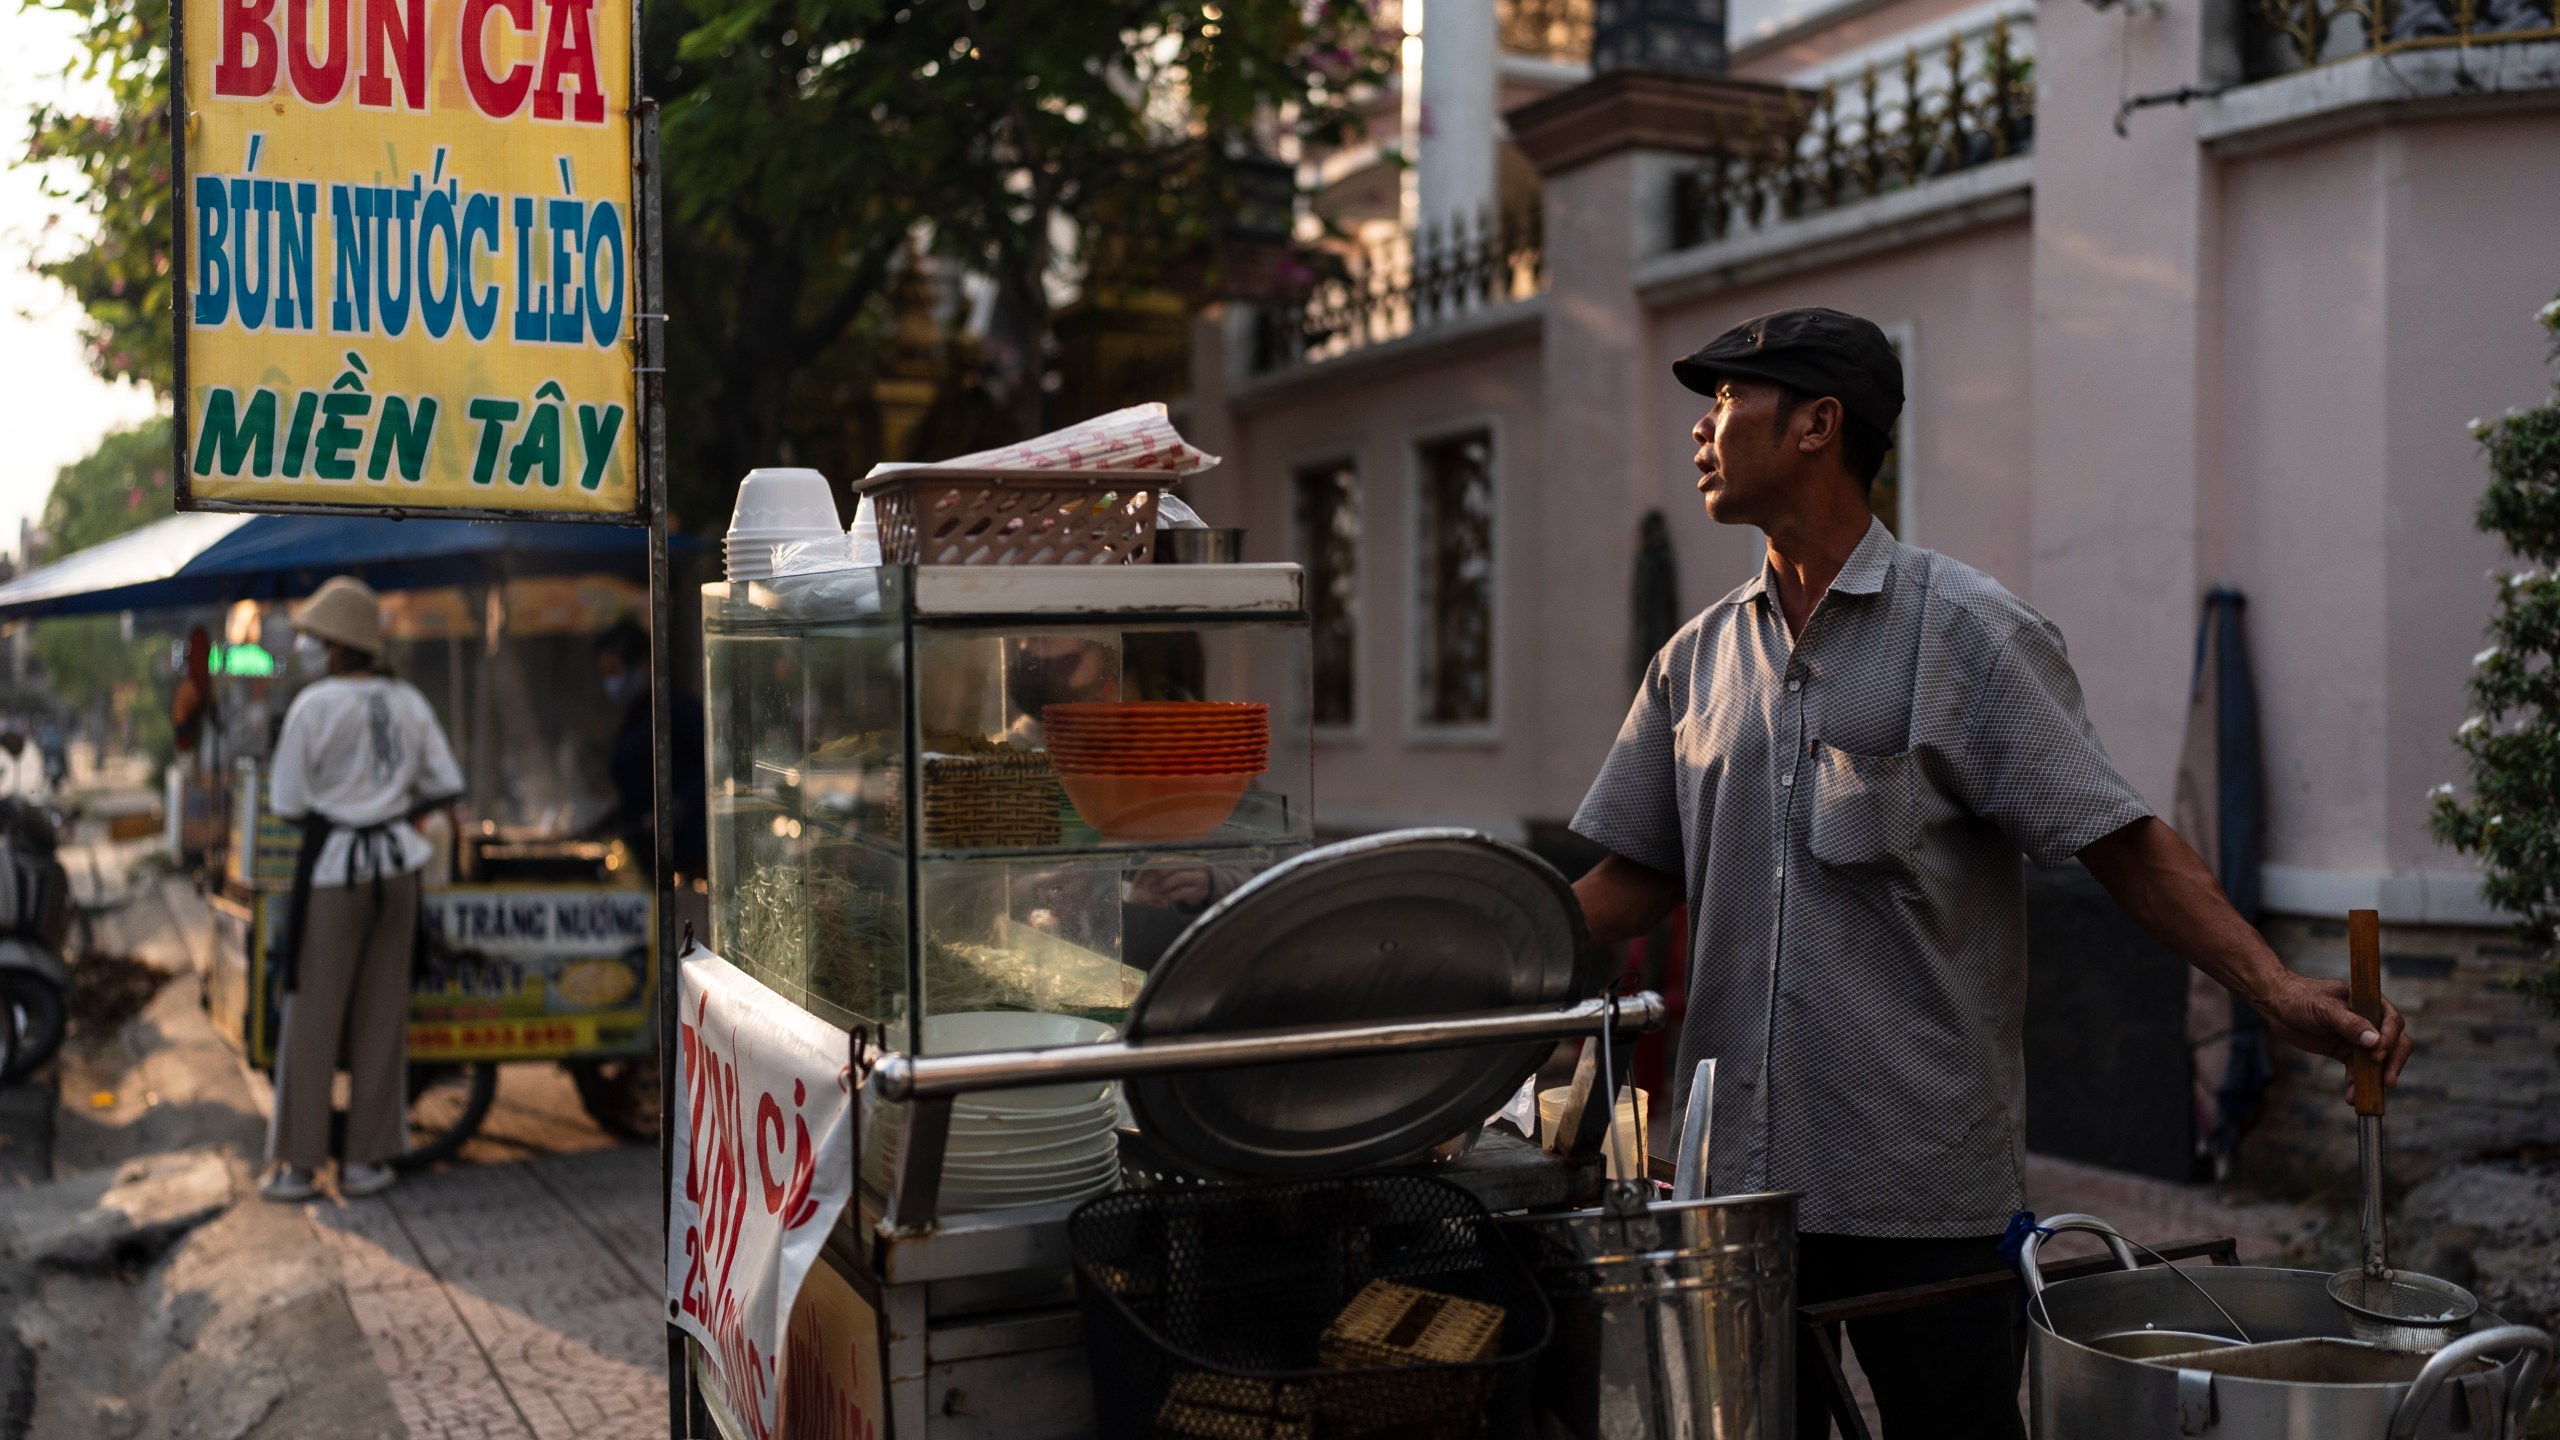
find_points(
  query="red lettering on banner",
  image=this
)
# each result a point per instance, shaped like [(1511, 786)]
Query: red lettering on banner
[(316, 82), (498, 97), (246, 24), (715, 1181), (569, 53), (395, 31), (788, 1199)]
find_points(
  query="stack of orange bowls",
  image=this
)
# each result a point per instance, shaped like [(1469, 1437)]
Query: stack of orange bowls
[(1157, 770)]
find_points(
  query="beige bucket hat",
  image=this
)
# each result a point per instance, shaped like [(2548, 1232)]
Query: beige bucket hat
[(345, 611)]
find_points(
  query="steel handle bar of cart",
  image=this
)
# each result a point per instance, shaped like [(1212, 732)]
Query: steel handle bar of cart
[(936, 1077)]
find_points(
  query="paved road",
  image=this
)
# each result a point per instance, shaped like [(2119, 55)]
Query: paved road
[(512, 1302)]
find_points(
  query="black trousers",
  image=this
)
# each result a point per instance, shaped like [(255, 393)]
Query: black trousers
[(1949, 1372)]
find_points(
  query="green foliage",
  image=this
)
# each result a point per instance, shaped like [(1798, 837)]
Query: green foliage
[(810, 143), (2512, 818), (122, 485), (118, 178)]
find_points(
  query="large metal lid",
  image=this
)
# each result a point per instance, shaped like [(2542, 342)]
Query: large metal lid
[(1392, 927)]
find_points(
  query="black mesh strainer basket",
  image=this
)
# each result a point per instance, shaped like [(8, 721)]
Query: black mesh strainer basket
[(1203, 1310)]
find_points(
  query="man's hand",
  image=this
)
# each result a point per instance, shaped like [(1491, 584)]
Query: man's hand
[(2161, 882)]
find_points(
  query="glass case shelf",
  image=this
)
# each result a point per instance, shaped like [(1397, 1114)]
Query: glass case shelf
[(1011, 887)]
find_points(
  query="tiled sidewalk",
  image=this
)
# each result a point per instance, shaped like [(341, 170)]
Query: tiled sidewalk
[(513, 1302)]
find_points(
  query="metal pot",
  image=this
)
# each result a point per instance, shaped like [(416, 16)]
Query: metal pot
[(2477, 1388), (1674, 1321)]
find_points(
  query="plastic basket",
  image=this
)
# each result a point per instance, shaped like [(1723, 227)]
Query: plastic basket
[(938, 518), (1220, 1313)]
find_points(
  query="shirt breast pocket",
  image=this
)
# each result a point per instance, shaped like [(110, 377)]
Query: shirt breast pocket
[(1866, 810)]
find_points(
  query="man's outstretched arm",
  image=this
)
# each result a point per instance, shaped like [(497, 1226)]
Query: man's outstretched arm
[(1622, 899), (2163, 884)]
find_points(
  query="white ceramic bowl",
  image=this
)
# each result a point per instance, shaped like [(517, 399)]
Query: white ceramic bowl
[(970, 1031), (963, 1201), (977, 1031), (1033, 1176), (1032, 1187), (784, 499)]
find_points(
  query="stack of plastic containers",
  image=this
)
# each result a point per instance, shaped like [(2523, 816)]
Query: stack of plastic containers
[(776, 507)]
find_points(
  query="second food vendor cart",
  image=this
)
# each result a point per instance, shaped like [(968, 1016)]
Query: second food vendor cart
[(537, 937)]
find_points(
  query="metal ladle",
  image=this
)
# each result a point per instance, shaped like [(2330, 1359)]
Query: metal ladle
[(2398, 1309)]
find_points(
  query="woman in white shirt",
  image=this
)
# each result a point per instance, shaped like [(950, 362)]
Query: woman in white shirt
[(360, 759)]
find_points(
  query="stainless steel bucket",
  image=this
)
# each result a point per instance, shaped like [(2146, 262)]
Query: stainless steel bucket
[(2477, 1388), (1676, 1322)]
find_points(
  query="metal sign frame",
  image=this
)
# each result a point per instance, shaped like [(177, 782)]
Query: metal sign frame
[(647, 341)]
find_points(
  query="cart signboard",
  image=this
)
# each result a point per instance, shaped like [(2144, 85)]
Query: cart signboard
[(510, 972), (408, 258), (521, 972)]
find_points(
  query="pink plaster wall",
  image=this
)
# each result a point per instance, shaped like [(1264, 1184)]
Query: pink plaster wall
[(1376, 417), (2378, 294), (2470, 209), (2122, 232), (2302, 333), (1968, 405)]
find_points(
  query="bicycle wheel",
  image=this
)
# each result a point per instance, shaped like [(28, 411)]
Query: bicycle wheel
[(9, 1046), (620, 1094), (446, 1105)]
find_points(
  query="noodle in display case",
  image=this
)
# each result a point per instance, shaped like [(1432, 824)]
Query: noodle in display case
[(939, 794)]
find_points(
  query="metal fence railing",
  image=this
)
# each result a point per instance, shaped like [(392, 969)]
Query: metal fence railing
[(1358, 296), (2284, 36), (1942, 109)]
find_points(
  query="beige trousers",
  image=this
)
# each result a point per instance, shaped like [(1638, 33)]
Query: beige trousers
[(351, 1004)]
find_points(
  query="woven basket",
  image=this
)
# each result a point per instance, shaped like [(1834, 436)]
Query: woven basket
[(985, 802), (932, 518)]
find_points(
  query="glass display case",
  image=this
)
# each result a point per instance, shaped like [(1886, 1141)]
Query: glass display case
[(905, 826)]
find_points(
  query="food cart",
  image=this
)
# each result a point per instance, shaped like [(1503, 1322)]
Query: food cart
[(1141, 959), (537, 937)]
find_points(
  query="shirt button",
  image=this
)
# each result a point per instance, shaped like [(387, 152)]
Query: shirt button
[(1795, 684), (1787, 781)]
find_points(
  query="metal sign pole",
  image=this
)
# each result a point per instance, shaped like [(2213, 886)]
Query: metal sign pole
[(662, 662)]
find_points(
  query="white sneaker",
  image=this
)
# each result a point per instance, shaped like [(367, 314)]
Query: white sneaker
[(288, 1186), (359, 1180)]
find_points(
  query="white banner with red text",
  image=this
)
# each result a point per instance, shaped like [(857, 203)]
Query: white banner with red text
[(763, 1165)]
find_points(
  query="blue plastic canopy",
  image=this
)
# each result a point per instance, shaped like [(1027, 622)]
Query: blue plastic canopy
[(214, 559)]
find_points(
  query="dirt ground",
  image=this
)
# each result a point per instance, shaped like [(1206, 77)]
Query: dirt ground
[(511, 1293)]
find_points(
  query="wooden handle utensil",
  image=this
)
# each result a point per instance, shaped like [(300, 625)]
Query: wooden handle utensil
[(2364, 996)]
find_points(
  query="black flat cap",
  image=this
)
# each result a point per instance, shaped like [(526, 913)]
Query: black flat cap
[(1818, 351)]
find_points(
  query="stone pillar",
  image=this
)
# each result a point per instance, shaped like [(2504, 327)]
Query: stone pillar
[(1461, 70), (1675, 37), (2124, 253), (1606, 151)]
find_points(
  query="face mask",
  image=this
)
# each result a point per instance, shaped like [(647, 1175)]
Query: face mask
[(624, 687), (311, 655)]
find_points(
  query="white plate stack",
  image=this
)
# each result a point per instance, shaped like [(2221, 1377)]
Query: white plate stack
[(776, 507), (1020, 1147)]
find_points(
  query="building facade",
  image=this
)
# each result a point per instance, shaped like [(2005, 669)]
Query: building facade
[(2189, 294)]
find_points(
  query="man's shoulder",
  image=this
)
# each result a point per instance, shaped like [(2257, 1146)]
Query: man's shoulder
[(1965, 604)]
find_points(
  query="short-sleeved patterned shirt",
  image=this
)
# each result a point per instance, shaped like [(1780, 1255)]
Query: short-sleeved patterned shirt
[(1847, 813)]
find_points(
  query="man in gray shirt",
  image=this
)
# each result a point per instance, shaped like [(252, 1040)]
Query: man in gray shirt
[(1835, 768)]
